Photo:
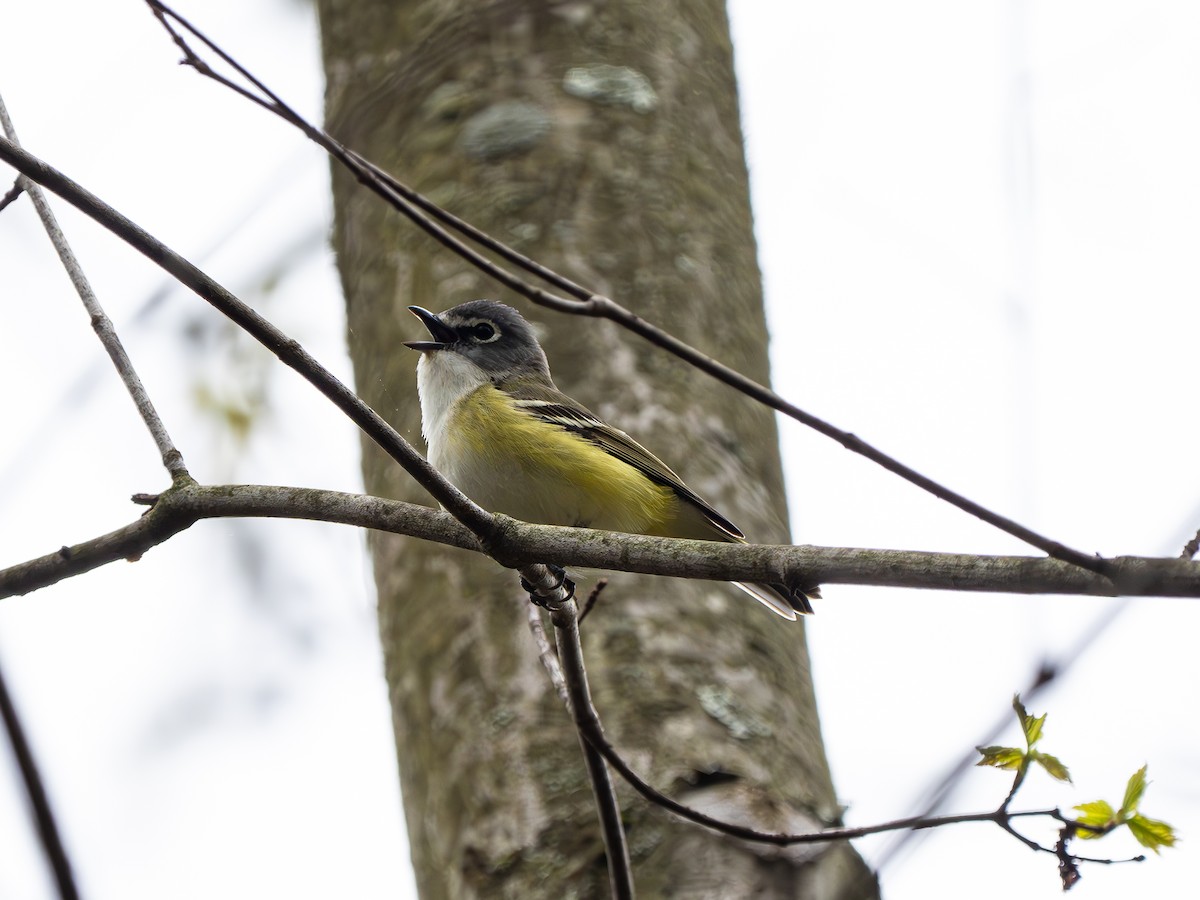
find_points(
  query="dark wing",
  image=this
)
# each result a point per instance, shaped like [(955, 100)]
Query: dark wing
[(551, 405)]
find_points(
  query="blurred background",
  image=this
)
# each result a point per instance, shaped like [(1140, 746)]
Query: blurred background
[(978, 226)]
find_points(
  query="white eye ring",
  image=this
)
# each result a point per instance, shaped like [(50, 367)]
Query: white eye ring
[(482, 331)]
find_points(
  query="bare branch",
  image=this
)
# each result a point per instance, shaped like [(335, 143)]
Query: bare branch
[(519, 544), (157, 526), (570, 651), (172, 459), (616, 850), (1142, 576), (581, 300), (47, 827)]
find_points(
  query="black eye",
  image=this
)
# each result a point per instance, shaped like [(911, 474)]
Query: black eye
[(483, 332)]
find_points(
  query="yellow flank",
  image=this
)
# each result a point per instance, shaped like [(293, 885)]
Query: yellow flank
[(531, 470)]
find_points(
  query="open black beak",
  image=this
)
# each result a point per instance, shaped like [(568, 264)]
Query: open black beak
[(443, 334)]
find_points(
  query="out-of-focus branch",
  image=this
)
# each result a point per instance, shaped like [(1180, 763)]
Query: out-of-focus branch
[(172, 459), (43, 814), (580, 301), (518, 545)]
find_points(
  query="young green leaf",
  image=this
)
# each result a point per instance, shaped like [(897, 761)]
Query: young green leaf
[(1151, 833), (1052, 764), (1096, 814), (1033, 729), (1001, 757), (1134, 790), (1030, 727)]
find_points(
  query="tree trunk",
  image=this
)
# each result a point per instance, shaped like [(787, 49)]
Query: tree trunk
[(602, 139)]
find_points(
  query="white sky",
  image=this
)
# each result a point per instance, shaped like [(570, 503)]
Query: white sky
[(978, 226)]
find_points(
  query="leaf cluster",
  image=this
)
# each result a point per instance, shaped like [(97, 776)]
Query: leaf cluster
[(1018, 760), (1097, 817)]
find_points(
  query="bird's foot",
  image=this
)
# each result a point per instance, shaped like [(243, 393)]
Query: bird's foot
[(545, 597)]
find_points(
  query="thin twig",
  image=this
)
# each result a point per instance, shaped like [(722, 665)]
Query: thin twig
[(392, 190), (1191, 548), (570, 651), (583, 301), (592, 597), (172, 459), (12, 194), (47, 828)]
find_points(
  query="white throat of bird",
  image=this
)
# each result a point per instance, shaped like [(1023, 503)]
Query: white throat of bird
[(443, 378)]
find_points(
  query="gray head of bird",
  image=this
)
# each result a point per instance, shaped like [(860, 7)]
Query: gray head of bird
[(492, 336)]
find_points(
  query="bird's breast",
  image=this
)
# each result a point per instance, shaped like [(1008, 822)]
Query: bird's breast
[(511, 462)]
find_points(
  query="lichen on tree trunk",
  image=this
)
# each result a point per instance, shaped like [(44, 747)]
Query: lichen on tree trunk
[(603, 140)]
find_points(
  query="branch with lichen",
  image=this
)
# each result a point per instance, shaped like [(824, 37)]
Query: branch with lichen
[(517, 544)]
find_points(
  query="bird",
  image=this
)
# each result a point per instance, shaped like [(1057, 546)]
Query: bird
[(499, 429)]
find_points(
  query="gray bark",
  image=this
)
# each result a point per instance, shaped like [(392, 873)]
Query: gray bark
[(631, 180)]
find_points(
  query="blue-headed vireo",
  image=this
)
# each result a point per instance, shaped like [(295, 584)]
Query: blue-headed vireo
[(503, 434)]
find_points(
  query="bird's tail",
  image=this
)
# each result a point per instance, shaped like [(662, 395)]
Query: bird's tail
[(782, 600)]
